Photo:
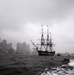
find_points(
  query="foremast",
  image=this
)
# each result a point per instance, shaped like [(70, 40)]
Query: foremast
[(42, 40)]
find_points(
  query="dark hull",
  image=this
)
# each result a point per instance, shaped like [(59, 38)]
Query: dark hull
[(46, 53)]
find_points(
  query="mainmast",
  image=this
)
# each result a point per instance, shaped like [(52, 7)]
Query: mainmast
[(47, 40), (47, 36), (49, 43)]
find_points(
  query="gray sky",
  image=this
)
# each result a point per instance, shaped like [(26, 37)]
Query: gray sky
[(21, 20)]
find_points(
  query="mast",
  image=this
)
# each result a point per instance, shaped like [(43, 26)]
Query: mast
[(50, 43), (42, 39), (47, 36), (47, 40)]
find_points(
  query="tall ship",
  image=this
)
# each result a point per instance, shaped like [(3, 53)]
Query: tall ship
[(45, 48)]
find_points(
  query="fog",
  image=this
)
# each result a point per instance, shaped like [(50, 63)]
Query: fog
[(21, 20)]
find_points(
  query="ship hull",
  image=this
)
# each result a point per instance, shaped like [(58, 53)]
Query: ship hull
[(46, 53)]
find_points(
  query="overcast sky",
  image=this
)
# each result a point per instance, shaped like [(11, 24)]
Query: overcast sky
[(21, 20)]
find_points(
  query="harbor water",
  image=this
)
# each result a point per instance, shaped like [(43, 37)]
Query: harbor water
[(30, 65)]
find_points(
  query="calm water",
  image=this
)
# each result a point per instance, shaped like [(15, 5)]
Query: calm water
[(25, 65)]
